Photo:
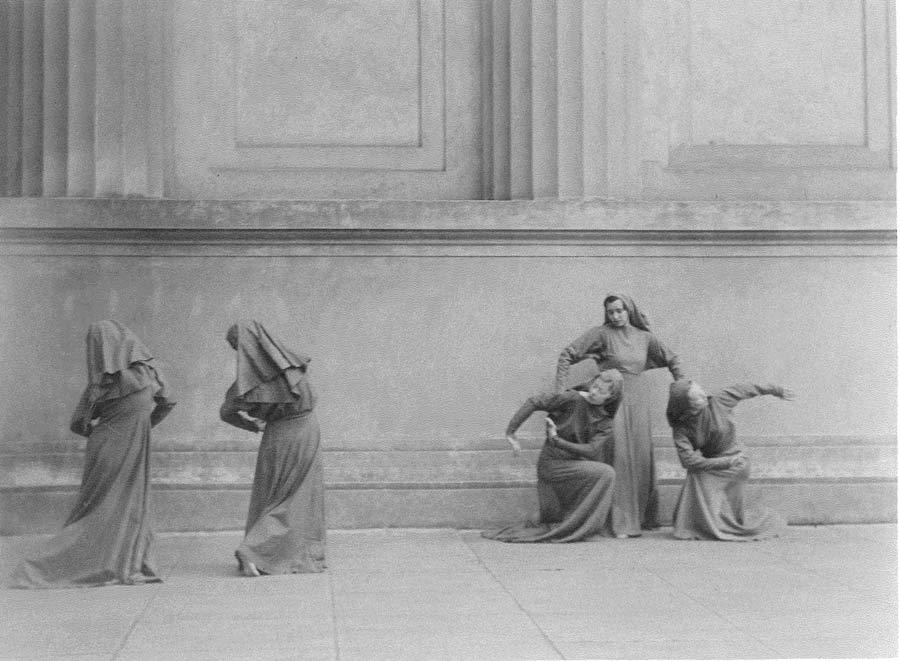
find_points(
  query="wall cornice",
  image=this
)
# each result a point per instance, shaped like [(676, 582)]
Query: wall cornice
[(40, 226)]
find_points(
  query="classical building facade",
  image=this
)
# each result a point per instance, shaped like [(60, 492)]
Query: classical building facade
[(431, 198)]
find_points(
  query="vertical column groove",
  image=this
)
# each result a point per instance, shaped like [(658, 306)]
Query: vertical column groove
[(32, 97), (13, 174), (569, 98), (500, 98), (543, 99), (520, 87), (4, 92), (595, 48), (108, 99), (81, 91), (135, 111), (55, 97)]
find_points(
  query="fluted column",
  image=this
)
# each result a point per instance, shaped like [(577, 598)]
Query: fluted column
[(82, 114), (12, 177), (562, 99)]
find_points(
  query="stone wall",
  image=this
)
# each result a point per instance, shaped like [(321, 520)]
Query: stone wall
[(431, 198), (429, 323)]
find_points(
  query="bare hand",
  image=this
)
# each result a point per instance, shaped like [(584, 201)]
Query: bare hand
[(787, 394), (550, 427), (514, 443), (259, 424), (738, 462)]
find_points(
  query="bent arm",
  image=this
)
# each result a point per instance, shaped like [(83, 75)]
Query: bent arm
[(163, 408), (693, 460), (590, 342), (230, 413), (81, 418), (658, 355), (543, 402)]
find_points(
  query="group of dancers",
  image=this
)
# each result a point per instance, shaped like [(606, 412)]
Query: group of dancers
[(595, 471), (596, 474)]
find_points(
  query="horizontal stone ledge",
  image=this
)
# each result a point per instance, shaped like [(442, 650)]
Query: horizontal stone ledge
[(812, 502), (443, 216), (432, 486), (462, 243), (448, 467), (188, 443)]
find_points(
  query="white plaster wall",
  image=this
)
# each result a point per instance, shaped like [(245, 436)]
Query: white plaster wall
[(437, 352)]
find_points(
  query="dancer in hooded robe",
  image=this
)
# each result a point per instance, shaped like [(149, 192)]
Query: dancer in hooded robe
[(106, 538), (624, 342), (285, 531), (711, 504), (575, 487)]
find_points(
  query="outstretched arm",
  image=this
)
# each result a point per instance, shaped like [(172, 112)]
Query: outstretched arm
[(731, 395), (590, 342)]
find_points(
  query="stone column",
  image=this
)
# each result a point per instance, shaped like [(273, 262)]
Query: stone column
[(12, 177), (78, 115), (561, 104)]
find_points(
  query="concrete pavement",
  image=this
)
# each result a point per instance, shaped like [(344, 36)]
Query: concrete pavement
[(828, 591)]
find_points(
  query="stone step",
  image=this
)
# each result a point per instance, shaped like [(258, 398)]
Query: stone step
[(430, 467), (810, 479), (179, 509)]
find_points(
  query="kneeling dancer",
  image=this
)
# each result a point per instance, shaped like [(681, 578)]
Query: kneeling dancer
[(711, 504), (575, 486)]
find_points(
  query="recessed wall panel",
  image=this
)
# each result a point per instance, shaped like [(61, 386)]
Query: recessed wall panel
[(328, 73), (778, 72)]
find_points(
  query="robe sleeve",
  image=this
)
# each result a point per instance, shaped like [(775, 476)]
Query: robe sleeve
[(163, 408), (81, 418), (692, 459), (730, 396), (598, 442), (589, 345), (543, 402), (230, 412), (658, 355)]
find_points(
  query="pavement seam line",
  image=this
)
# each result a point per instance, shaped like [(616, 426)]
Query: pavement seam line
[(511, 596), (705, 606), (334, 623), (137, 619)]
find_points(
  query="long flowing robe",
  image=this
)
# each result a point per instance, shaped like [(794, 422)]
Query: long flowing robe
[(575, 492), (711, 503), (107, 537), (285, 529), (631, 350)]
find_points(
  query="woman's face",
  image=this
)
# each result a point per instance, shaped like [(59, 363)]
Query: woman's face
[(697, 398), (616, 313), (598, 392)]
